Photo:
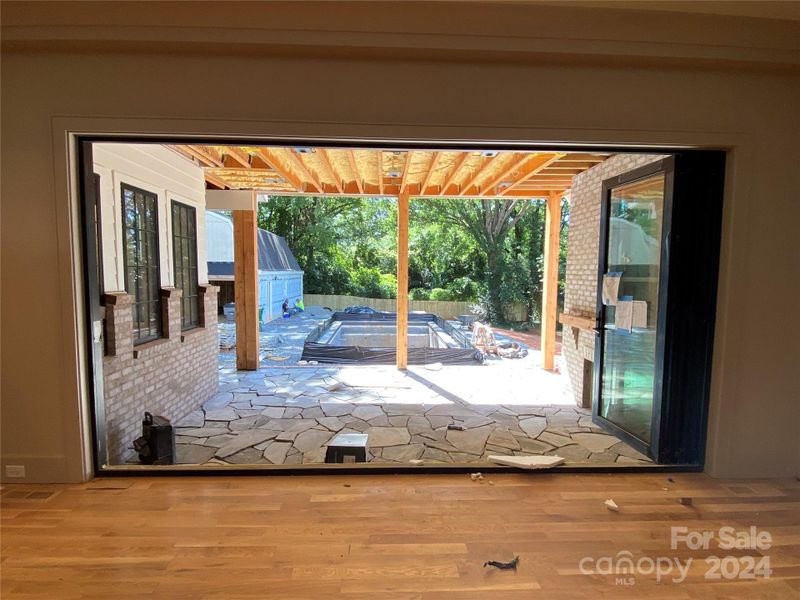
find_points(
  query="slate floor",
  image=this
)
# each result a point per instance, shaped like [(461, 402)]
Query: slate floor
[(286, 415)]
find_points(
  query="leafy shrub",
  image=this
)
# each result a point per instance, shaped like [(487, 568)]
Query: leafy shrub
[(441, 294), (419, 294), (464, 288), (369, 282)]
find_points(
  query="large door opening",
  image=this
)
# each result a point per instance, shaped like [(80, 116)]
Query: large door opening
[(291, 387)]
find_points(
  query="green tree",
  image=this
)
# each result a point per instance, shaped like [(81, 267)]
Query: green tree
[(489, 222)]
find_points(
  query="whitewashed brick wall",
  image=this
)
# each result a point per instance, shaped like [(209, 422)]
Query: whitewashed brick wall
[(580, 291)]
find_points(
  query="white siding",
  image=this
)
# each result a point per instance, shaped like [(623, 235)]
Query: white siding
[(219, 229), (158, 170)]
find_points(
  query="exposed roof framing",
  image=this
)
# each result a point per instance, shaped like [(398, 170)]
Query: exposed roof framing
[(389, 172)]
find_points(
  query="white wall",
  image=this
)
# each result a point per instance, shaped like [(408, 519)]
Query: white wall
[(219, 232), (493, 71), (156, 169)]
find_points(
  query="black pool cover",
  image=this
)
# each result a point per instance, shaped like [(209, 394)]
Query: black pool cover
[(462, 353)]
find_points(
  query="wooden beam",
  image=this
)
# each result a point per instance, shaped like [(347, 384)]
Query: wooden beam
[(351, 157), (402, 281), (269, 157), (484, 164), (237, 155), (405, 170), (326, 162), (380, 171), (540, 191), (215, 181), (513, 166), (552, 229), (452, 175), (540, 161), (245, 271), (203, 156), (434, 161), (184, 152), (585, 323)]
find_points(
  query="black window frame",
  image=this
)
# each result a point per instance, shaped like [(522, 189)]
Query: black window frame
[(152, 272), (190, 302)]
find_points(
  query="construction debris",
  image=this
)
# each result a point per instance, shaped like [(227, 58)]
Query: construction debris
[(527, 462), (455, 427), (505, 566), (483, 338), (476, 476), (511, 350), (611, 505)]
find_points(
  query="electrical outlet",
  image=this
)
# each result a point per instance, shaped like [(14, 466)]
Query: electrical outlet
[(15, 470)]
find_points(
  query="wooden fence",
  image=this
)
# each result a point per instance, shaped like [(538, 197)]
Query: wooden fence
[(445, 309)]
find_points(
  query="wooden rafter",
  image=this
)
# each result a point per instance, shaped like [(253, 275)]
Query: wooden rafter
[(429, 172), (268, 157), (453, 173), (541, 191), (307, 174), (203, 156), (281, 170), (237, 155), (326, 162), (354, 166), (477, 174), (513, 166), (405, 171), (215, 180), (540, 161), (380, 172)]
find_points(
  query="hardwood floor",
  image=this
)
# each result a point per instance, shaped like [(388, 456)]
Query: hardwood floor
[(396, 537)]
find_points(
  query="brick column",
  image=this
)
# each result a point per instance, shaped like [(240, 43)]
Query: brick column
[(118, 324), (171, 313), (208, 307)]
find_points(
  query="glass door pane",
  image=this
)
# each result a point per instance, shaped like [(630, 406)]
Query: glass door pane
[(630, 305)]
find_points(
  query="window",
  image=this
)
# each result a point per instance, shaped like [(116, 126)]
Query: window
[(142, 275), (184, 251)]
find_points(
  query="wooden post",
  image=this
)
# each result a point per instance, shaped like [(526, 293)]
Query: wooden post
[(402, 281), (552, 229), (245, 273)]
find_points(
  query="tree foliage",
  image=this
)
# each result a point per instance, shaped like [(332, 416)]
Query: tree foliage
[(487, 251)]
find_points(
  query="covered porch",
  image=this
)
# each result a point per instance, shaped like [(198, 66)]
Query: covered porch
[(270, 412)]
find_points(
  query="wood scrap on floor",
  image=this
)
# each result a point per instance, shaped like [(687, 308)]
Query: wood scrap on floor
[(611, 505), (528, 462)]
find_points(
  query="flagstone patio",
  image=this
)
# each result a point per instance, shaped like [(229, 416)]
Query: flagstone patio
[(286, 415)]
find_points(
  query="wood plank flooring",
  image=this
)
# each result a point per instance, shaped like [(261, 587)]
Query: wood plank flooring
[(415, 537)]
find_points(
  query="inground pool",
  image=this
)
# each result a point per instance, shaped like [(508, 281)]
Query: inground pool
[(371, 338)]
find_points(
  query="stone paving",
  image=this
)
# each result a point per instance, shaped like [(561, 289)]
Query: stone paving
[(280, 340), (286, 415)]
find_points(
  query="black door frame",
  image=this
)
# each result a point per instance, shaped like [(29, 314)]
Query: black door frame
[(688, 277), (671, 419), (665, 166)]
